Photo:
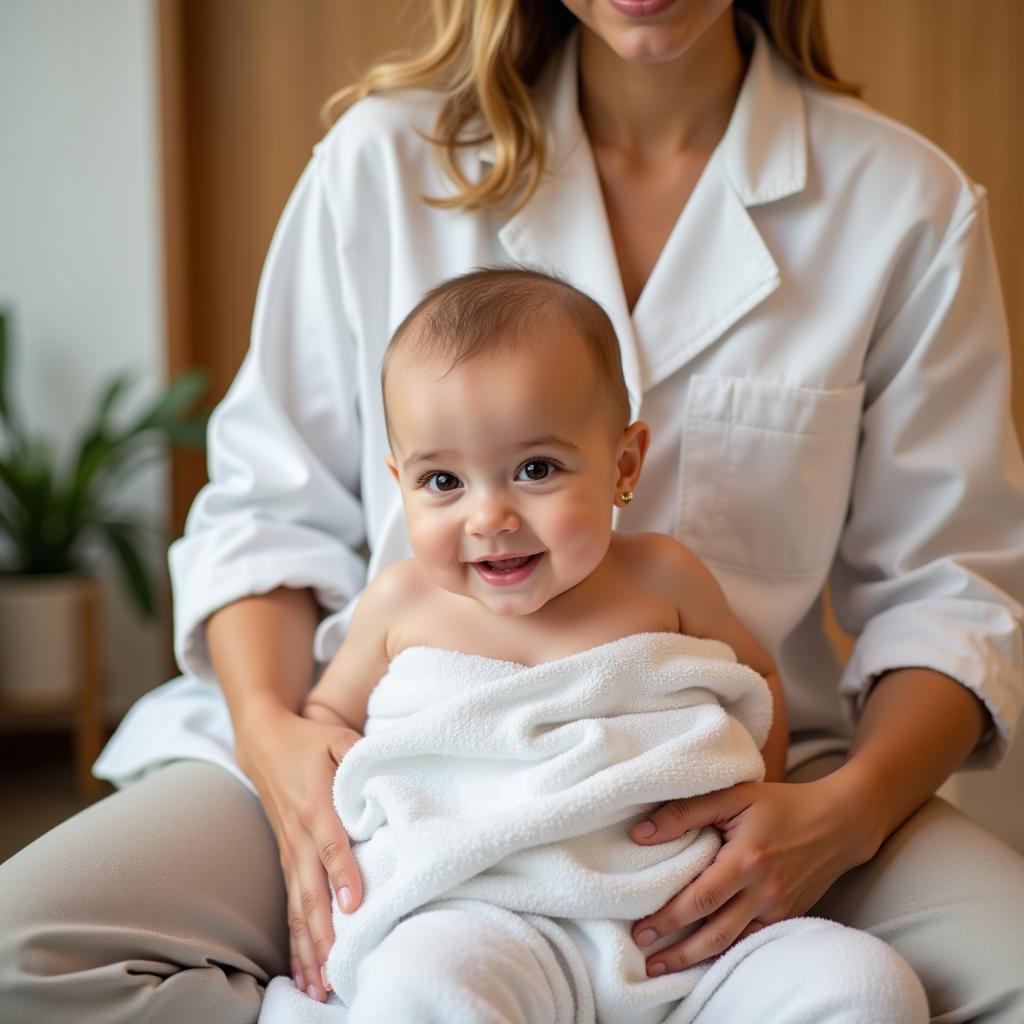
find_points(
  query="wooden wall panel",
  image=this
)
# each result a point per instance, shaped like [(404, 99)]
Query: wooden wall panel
[(952, 70), (244, 81)]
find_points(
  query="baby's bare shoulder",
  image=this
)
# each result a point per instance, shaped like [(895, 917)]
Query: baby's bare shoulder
[(662, 563), (400, 586), (655, 551)]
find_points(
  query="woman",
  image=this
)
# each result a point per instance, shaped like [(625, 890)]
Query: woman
[(810, 321)]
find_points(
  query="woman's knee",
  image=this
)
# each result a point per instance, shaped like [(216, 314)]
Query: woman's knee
[(21, 915), (949, 896), (139, 903), (42, 889), (982, 978)]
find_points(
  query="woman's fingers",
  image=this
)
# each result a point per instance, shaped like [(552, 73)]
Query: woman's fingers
[(301, 904), (293, 766), (671, 820), (783, 845), (335, 853), (708, 892), (326, 860), (717, 934)]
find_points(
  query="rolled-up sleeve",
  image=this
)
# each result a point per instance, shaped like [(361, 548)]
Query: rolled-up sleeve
[(930, 570), (282, 506)]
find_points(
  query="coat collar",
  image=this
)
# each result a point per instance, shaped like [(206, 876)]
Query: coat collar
[(764, 149), (715, 266)]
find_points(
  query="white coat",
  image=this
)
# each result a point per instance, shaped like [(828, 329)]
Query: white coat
[(821, 352)]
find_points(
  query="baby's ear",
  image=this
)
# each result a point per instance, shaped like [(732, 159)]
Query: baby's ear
[(632, 448), (392, 465)]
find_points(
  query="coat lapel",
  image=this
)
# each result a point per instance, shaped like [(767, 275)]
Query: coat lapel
[(715, 267)]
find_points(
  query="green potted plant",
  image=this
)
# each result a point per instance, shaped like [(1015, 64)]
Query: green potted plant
[(55, 513)]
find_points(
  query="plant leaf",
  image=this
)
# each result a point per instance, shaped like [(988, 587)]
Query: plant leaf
[(7, 416), (36, 510), (109, 456), (180, 396), (8, 524), (190, 433), (3, 365), (96, 444), (44, 514), (115, 389), (124, 463), (123, 541), (94, 450)]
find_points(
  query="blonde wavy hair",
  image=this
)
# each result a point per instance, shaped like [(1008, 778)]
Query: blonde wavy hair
[(485, 59)]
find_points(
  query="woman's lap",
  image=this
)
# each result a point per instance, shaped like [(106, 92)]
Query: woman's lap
[(949, 897), (162, 902), (165, 902)]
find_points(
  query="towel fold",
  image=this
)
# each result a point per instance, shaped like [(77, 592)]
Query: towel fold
[(491, 781)]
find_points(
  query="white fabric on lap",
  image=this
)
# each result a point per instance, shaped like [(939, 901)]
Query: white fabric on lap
[(515, 786)]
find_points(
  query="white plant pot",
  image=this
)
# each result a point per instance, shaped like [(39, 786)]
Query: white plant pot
[(41, 642)]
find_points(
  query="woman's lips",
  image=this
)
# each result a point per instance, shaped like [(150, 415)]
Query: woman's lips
[(519, 569), (640, 8)]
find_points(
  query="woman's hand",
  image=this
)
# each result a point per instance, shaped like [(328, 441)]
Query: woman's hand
[(291, 761), (784, 844)]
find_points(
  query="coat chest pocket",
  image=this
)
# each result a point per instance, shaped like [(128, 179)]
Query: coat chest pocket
[(766, 472)]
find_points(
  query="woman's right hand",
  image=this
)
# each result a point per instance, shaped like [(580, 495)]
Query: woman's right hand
[(292, 760)]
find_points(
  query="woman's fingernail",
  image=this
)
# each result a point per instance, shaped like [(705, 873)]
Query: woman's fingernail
[(645, 830), (345, 897), (297, 977), (324, 978), (656, 970), (647, 936), (311, 992)]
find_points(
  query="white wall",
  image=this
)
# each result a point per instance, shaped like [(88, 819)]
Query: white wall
[(80, 241)]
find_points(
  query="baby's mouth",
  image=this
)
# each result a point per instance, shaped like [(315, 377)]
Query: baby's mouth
[(508, 564), (509, 571)]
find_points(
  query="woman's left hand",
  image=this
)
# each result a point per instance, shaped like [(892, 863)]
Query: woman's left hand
[(784, 844)]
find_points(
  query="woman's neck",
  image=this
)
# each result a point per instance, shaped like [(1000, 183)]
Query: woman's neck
[(658, 110)]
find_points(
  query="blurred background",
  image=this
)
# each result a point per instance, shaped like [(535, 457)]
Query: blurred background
[(147, 148)]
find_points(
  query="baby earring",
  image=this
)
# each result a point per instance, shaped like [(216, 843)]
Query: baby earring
[(626, 497)]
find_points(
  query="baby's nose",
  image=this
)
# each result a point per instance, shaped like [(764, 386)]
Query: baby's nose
[(490, 516)]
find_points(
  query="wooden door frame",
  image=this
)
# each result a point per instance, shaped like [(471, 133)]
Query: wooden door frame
[(187, 469)]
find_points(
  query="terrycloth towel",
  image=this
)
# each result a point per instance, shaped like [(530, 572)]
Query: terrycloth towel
[(804, 970), (514, 786)]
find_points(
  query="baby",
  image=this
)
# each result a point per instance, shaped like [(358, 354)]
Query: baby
[(529, 684), (508, 419)]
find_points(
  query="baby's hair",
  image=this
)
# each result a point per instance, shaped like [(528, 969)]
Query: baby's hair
[(487, 311)]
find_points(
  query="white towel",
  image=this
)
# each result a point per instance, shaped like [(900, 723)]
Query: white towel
[(492, 781)]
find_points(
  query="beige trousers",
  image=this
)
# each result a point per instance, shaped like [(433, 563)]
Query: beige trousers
[(164, 903)]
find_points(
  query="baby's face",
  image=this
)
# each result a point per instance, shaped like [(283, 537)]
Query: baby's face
[(508, 467)]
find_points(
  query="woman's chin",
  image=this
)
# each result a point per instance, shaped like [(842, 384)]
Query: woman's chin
[(645, 46), (661, 36)]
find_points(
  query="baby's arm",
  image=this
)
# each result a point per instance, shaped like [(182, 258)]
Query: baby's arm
[(341, 695), (704, 612)]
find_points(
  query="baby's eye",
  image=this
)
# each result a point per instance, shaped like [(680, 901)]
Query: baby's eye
[(441, 483), (536, 469)]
